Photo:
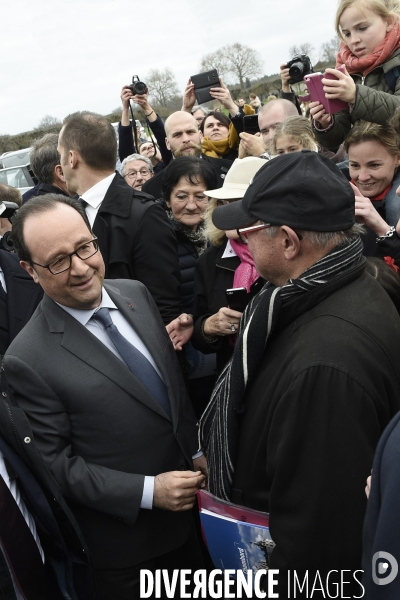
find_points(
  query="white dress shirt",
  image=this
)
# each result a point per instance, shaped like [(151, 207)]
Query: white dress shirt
[(85, 318), (94, 197)]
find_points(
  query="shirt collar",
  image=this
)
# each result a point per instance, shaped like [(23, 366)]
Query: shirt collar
[(84, 316), (229, 251), (95, 195)]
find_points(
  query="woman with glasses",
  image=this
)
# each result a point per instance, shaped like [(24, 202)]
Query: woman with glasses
[(136, 170)]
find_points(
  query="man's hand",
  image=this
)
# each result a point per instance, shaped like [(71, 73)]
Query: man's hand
[(251, 145), (176, 490), (222, 322), (180, 330), (200, 464), (224, 96), (189, 97), (342, 88), (320, 116), (285, 78), (366, 214)]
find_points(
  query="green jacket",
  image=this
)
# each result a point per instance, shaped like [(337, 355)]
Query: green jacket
[(375, 102)]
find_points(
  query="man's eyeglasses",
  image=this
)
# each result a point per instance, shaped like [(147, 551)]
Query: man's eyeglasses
[(243, 233), (63, 263), (134, 174)]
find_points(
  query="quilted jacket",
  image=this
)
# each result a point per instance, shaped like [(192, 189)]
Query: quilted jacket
[(375, 102)]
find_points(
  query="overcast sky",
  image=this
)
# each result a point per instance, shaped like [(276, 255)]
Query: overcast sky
[(59, 56)]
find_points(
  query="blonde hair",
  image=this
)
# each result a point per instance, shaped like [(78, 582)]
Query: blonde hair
[(383, 8), (387, 135), (211, 233), (298, 128)]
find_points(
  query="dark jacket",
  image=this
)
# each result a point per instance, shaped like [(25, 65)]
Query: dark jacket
[(326, 387), (188, 256), (137, 241), (41, 189), (214, 275), (382, 521), (220, 165), (126, 145)]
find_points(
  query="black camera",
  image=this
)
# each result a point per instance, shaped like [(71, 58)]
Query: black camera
[(298, 67), (137, 86), (7, 211)]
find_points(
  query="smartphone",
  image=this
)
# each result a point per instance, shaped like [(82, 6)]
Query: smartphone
[(250, 124), (237, 298), (202, 84), (316, 92)]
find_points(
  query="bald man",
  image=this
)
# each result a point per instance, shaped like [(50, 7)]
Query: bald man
[(269, 117), (183, 138)]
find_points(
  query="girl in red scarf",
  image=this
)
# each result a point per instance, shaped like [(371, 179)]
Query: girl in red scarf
[(369, 31)]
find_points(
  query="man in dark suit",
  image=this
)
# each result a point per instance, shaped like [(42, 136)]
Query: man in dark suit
[(45, 164), (119, 441), (136, 239)]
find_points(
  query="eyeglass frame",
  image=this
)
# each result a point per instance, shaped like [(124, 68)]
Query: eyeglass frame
[(95, 239), (244, 238), (134, 174)]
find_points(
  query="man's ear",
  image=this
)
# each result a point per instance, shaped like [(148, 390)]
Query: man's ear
[(291, 243), (167, 143), (25, 265), (59, 173), (73, 159)]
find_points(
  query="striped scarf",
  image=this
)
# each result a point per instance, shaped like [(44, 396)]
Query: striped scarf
[(219, 424)]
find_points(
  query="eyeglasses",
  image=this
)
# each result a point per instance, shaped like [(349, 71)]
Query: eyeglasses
[(134, 174), (243, 233), (63, 263)]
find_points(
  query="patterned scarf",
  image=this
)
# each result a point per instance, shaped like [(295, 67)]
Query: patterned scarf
[(366, 64), (218, 148), (196, 237), (246, 273), (219, 424)]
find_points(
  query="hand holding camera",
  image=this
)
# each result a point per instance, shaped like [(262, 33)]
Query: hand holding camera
[(189, 97), (224, 96), (285, 76)]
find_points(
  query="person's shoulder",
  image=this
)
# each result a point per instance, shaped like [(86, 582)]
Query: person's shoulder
[(29, 340), (126, 287)]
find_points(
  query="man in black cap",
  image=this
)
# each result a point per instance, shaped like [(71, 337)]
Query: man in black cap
[(294, 421)]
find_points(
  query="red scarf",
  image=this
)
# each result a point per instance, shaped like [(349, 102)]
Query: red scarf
[(380, 54), (246, 272), (380, 196)]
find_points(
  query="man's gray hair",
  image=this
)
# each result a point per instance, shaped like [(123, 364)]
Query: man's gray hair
[(132, 157), (325, 238), (44, 157), (203, 109)]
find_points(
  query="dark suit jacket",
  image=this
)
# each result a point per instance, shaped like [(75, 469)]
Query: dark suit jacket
[(98, 428), (23, 294), (137, 241)]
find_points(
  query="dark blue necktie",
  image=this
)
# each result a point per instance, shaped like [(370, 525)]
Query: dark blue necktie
[(135, 360)]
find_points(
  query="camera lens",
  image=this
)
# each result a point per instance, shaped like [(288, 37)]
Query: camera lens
[(140, 87), (296, 69)]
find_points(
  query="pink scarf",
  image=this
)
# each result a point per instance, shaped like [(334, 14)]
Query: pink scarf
[(366, 64), (246, 273)]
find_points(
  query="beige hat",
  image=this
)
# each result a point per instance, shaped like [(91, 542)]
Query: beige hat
[(238, 178)]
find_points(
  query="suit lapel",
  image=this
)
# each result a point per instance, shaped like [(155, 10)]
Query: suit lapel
[(84, 345)]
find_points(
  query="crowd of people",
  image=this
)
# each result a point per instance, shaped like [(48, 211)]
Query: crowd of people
[(130, 379)]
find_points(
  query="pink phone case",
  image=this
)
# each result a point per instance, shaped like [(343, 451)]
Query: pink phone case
[(316, 92)]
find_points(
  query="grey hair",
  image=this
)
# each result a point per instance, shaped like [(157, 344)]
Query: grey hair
[(44, 157), (132, 157), (203, 109), (325, 238)]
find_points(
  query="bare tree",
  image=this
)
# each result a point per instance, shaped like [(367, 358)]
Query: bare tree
[(162, 86), (243, 62), (47, 121), (330, 49), (216, 60), (305, 48)]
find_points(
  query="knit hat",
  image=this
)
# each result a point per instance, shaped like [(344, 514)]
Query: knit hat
[(303, 190)]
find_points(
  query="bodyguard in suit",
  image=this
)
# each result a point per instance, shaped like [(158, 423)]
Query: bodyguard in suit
[(95, 372), (136, 239)]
